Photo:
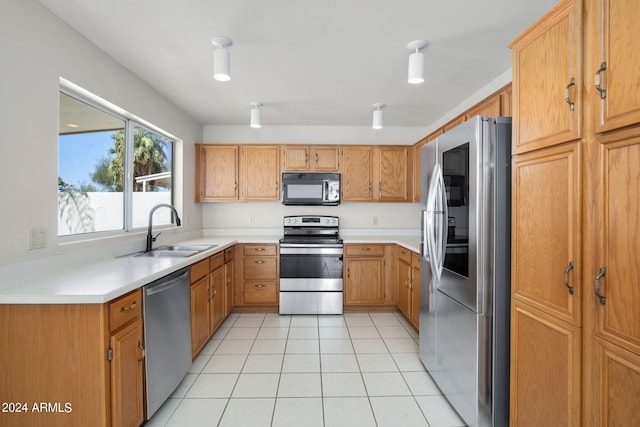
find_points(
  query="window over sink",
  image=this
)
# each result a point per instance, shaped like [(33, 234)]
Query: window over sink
[(112, 167)]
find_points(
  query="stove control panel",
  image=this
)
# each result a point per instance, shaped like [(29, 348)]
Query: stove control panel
[(311, 221)]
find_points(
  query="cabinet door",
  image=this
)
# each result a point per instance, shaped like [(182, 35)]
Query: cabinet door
[(490, 107), (216, 173), (545, 67), (616, 42), (545, 369), (403, 286), (618, 315), (357, 172), (260, 177), (546, 231), (217, 284), (295, 158), (364, 281), (616, 385), (230, 280), (126, 376), (393, 172), (200, 327), (415, 289), (325, 158)]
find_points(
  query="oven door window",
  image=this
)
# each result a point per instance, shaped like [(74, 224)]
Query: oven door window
[(310, 266)]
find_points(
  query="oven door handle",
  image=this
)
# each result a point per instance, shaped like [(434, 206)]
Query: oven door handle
[(311, 250)]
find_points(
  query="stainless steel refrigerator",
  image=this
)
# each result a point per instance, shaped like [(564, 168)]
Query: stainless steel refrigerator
[(465, 260)]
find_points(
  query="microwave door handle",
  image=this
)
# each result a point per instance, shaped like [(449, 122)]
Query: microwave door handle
[(325, 192)]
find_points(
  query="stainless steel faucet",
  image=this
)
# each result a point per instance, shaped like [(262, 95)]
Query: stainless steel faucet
[(150, 237)]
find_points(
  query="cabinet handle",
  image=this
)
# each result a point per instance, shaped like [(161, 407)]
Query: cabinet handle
[(259, 286), (596, 285), (259, 262), (365, 249), (566, 277), (142, 353), (131, 307), (259, 249), (348, 273), (598, 78), (567, 97)]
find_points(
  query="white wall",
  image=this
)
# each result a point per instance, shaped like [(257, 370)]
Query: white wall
[(36, 50), (353, 215)]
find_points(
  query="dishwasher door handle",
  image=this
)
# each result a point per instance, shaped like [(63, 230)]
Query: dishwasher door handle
[(166, 285)]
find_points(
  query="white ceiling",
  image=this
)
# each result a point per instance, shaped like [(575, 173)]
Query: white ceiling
[(310, 62)]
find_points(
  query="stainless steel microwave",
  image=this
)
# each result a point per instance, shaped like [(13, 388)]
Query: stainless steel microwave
[(321, 189)]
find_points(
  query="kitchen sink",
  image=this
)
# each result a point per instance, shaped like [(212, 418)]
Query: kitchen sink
[(176, 251)]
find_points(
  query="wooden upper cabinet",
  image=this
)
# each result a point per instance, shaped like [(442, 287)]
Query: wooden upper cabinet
[(216, 172), (260, 172), (393, 171), (310, 158), (618, 314), (615, 64), (295, 158), (325, 158), (453, 123), (546, 230), (357, 173), (490, 107), (547, 100)]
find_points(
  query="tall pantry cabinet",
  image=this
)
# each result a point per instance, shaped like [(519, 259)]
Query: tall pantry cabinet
[(575, 339)]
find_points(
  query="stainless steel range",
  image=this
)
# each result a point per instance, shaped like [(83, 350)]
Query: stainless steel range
[(311, 261)]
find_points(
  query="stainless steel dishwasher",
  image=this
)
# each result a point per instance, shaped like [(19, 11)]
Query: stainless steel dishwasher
[(167, 335)]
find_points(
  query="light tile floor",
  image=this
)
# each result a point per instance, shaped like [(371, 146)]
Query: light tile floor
[(358, 369)]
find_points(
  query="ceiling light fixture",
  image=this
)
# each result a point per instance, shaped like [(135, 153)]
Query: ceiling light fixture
[(377, 116), (255, 115), (416, 62), (221, 61)]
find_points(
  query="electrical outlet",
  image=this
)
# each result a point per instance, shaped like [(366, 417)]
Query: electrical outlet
[(375, 220), (37, 238), (252, 220)]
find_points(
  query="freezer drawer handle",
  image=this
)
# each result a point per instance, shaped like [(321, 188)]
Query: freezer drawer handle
[(566, 277), (596, 285)]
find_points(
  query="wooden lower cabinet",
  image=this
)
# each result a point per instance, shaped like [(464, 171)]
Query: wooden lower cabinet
[(415, 290), (615, 386), (127, 372), (364, 277), (200, 330), (257, 278), (229, 279), (73, 365), (408, 284), (208, 299), (546, 364)]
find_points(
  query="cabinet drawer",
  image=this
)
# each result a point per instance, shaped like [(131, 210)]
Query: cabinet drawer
[(403, 254), (260, 293), (124, 309), (415, 260), (363, 250), (228, 254), (216, 261), (260, 268), (199, 270), (260, 250)]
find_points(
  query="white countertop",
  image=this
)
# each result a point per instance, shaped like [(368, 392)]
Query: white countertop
[(105, 280)]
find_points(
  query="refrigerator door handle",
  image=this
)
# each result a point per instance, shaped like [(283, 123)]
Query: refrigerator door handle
[(436, 222)]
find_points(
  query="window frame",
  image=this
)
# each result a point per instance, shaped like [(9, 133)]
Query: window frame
[(131, 122)]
